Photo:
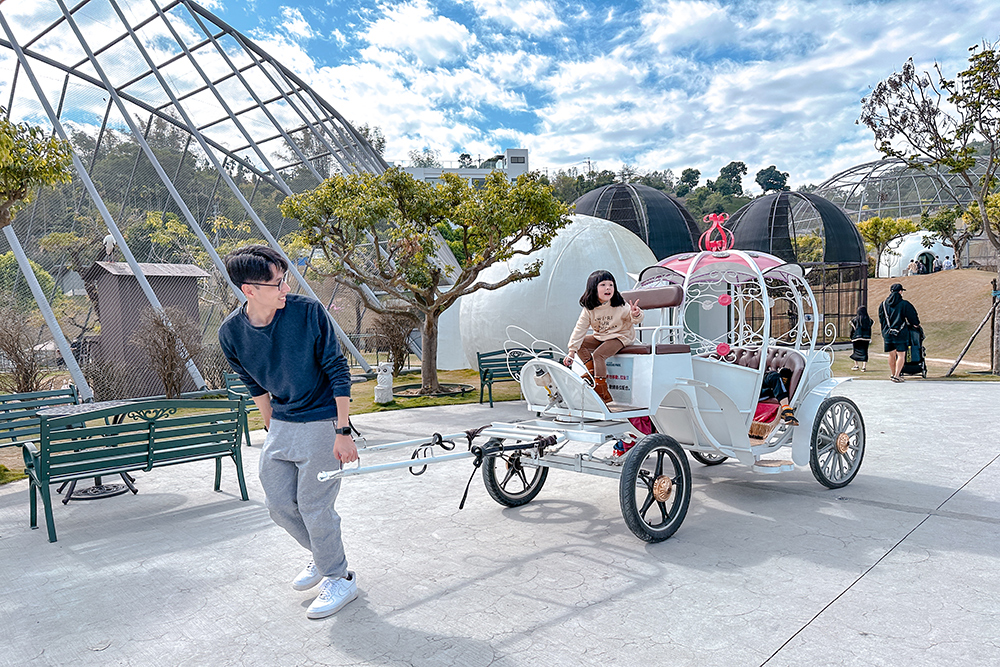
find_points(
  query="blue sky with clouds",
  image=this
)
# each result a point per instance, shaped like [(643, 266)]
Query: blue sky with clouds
[(655, 83)]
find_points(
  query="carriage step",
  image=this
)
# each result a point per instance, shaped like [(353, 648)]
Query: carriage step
[(772, 466)]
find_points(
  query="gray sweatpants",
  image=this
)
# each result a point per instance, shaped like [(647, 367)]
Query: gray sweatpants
[(293, 453)]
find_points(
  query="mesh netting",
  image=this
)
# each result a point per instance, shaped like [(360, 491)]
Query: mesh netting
[(188, 137)]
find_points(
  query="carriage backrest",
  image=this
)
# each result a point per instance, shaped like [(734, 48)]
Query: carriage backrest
[(777, 358), (658, 297)]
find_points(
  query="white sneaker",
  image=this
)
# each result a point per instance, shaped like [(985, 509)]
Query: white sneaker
[(307, 578), (334, 594)]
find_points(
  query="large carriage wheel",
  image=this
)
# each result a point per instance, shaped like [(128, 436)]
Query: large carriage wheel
[(509, 481), (838, 442), (707, 458), (655, 487)]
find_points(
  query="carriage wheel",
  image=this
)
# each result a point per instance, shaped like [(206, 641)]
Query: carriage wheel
[(509, 481), (655, 487), (708, 459), (838, 442)]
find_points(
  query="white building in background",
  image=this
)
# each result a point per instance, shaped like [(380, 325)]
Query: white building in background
[(513, 164), (897, 255)]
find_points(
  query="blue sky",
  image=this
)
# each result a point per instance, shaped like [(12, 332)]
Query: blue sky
[(660, 84)]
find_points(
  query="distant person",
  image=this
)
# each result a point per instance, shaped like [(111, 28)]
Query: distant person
[(896, 315), (861, 337), (937, 264), (948, 265), (613, 320), (912, 268)]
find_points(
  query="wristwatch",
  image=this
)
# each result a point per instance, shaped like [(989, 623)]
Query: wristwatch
[(343, 431)]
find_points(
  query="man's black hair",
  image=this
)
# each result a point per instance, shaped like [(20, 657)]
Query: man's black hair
[(253, 264), (590, 300), (785, 373)]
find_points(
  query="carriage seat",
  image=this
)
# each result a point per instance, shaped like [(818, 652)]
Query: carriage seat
[(661, 348), (658, 297), (777, 358), (651, 299)]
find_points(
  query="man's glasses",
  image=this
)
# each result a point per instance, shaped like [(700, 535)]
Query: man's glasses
[(283, 281)]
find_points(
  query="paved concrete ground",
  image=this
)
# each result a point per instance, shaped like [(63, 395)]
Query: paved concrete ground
[(902, 567)]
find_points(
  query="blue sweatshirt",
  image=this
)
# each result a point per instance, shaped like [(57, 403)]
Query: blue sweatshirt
[(296, 358)]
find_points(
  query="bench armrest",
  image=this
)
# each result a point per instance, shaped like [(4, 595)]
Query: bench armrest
[(30, 454)]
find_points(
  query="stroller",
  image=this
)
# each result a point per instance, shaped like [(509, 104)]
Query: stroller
[(916, 363)]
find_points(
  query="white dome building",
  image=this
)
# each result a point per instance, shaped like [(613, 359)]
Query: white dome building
[(897, 255), (548, 306)]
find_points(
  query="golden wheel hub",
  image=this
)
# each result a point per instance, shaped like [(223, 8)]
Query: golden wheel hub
[(842, 443), (662, 488)]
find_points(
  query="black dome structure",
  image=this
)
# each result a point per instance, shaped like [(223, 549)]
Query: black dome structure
[(658, 219), (812, 231)]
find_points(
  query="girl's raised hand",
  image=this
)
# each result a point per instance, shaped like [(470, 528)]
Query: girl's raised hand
[(636, 310)]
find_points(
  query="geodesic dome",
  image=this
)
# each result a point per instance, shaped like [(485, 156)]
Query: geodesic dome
[(660, 220), (809, 230), (890, 188), (186, 136)]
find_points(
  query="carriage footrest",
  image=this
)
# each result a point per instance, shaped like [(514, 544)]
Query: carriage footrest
[(772, 466)]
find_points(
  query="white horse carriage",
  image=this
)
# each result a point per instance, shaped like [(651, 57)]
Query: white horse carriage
[(716, 322)]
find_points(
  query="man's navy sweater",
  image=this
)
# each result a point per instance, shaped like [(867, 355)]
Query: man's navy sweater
[(296, 358)]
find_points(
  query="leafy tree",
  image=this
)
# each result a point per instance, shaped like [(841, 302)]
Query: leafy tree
[(809, 248), (772, 180), (12, 283), (932, 120), (953, 226), (628, 173), (427, 158), (661, 180), (730, 181), (880, 232), (379, 231), (373, 135), (465, 161), (689, 181), (30, 160)]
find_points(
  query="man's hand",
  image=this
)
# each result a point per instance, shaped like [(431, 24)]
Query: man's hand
[(344, 449), (568, 360)]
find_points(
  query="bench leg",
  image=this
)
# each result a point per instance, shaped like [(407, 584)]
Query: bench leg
[(481, 386), (246, 428), (218, 473), (238, 460), (69, 494), (491, 394), (33, 505), (50, 521)]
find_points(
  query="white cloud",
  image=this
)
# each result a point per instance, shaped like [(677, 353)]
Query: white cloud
[(531, 17), (674, 24), (295, 24), (415, 28)]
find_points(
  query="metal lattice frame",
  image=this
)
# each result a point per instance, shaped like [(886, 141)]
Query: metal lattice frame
[(169, 73)]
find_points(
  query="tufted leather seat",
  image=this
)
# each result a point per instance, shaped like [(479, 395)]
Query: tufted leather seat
[(777, 358)]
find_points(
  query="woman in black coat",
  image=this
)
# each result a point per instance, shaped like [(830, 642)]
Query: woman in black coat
[(861, 336)]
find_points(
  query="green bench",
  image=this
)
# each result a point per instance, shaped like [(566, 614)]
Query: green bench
[(92, 440), (501, 366), (19, 413), (236, 390)]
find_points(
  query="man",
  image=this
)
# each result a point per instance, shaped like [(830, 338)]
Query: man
[(284, 348), (948, 265), (937, 264), (896, 315), (912, 268)]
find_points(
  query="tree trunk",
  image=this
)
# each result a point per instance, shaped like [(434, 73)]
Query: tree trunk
[(995, 361), (428, 363)]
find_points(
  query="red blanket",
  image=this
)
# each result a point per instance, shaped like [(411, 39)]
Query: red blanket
[(766, 412)]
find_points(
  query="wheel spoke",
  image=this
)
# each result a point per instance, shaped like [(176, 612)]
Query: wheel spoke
[(646, 504), (663, 512), (659, 462), (522, 476), (507, 477)]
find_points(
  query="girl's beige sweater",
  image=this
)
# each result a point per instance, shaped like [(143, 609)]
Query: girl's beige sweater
[(608, 322)]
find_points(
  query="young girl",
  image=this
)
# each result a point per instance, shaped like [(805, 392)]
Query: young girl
[(613, 321), (861, 336)]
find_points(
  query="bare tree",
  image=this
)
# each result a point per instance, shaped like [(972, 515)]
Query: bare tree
[(392, 333), (170, 339), (17, 345)]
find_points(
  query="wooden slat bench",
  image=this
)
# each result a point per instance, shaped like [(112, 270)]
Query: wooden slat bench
[(91, 440), (237, 390), (500, 366), (19, 413)]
